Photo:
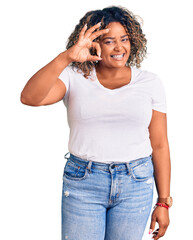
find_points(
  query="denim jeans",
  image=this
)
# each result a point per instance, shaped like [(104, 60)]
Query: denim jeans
[(103, 201)]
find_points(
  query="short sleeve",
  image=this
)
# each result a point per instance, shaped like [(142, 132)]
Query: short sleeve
[(159, 96), (65, 78)]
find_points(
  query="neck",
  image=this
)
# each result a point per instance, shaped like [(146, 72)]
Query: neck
[(107, 72)]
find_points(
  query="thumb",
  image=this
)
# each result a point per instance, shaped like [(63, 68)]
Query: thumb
[(95, 58), (152, 225)]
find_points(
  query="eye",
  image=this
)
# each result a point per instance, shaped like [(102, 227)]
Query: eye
[(125, 39), (108, 42)]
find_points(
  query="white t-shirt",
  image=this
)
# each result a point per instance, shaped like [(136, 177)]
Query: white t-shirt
[(111, 125)]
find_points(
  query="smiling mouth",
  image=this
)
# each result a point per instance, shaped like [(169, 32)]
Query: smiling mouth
[(118, 56)]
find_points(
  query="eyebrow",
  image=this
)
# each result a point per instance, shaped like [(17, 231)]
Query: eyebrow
[(114, 38)]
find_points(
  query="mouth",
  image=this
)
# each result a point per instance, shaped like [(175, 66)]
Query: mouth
[(118, 56)]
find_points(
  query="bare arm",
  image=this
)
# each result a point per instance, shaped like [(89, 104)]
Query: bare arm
[(162, 170), (44, 87), (38, 86), (160, 154)]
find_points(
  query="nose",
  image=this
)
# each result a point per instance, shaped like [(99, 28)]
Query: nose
[(118, 46)]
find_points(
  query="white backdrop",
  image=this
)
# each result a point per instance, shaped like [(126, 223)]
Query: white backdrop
[(35, 139)]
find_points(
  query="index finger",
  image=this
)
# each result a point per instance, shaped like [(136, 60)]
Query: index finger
[(81, 35), (98, 33), (90, 30)]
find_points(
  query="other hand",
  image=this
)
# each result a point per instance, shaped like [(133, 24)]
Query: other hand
[(161, 216)]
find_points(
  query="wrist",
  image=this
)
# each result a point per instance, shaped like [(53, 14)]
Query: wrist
[(161, 205), (165, 200), (68, 54), (63, 59)]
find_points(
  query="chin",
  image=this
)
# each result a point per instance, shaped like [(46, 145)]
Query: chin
[(113, 64), (118, 65)]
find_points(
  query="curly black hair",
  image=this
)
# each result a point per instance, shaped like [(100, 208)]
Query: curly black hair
[(105, 16)]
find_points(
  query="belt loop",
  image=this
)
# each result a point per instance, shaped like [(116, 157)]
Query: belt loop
[(89, 166), (65, 155), (129, 169)]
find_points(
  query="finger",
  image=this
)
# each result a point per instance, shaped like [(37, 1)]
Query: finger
[(98, 33), (98, 48), (94, 58), (152, 225), (82, 32), (155, 232), (160, 233), (90, 30)]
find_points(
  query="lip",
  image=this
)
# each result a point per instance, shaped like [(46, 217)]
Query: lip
[(118, 59)]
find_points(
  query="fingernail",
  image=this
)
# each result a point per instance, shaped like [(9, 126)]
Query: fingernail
[(150, 231)]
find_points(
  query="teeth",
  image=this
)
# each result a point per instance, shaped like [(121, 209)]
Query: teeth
[(117, 56)]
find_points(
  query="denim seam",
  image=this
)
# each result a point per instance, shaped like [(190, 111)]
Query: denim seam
[(117, 170)]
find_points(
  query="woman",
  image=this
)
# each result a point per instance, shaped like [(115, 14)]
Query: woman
[(118, 131)]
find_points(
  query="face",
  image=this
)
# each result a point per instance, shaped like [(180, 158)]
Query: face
[(115, 46)]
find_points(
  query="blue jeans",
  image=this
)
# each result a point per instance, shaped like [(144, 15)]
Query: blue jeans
[(103, 201)]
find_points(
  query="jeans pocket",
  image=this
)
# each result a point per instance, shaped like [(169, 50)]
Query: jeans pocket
[(75, 171), (143, 171)]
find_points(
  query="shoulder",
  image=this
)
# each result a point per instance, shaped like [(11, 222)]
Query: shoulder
[(71, 69), (144, 75), (75, 71), (151, 81)]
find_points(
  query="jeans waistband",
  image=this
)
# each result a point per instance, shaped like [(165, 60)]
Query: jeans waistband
[(107, 166)]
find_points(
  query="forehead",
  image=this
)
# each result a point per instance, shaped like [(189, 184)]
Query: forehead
[(117, 30), (116, 25)]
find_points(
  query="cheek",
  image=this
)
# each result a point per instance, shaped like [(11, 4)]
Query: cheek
[(106, 50), (128, 46)]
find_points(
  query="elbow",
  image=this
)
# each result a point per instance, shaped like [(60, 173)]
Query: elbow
[(26, 101), (23, 99), (163, 146)]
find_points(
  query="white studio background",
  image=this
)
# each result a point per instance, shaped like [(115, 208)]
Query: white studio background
[(35, 139)]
